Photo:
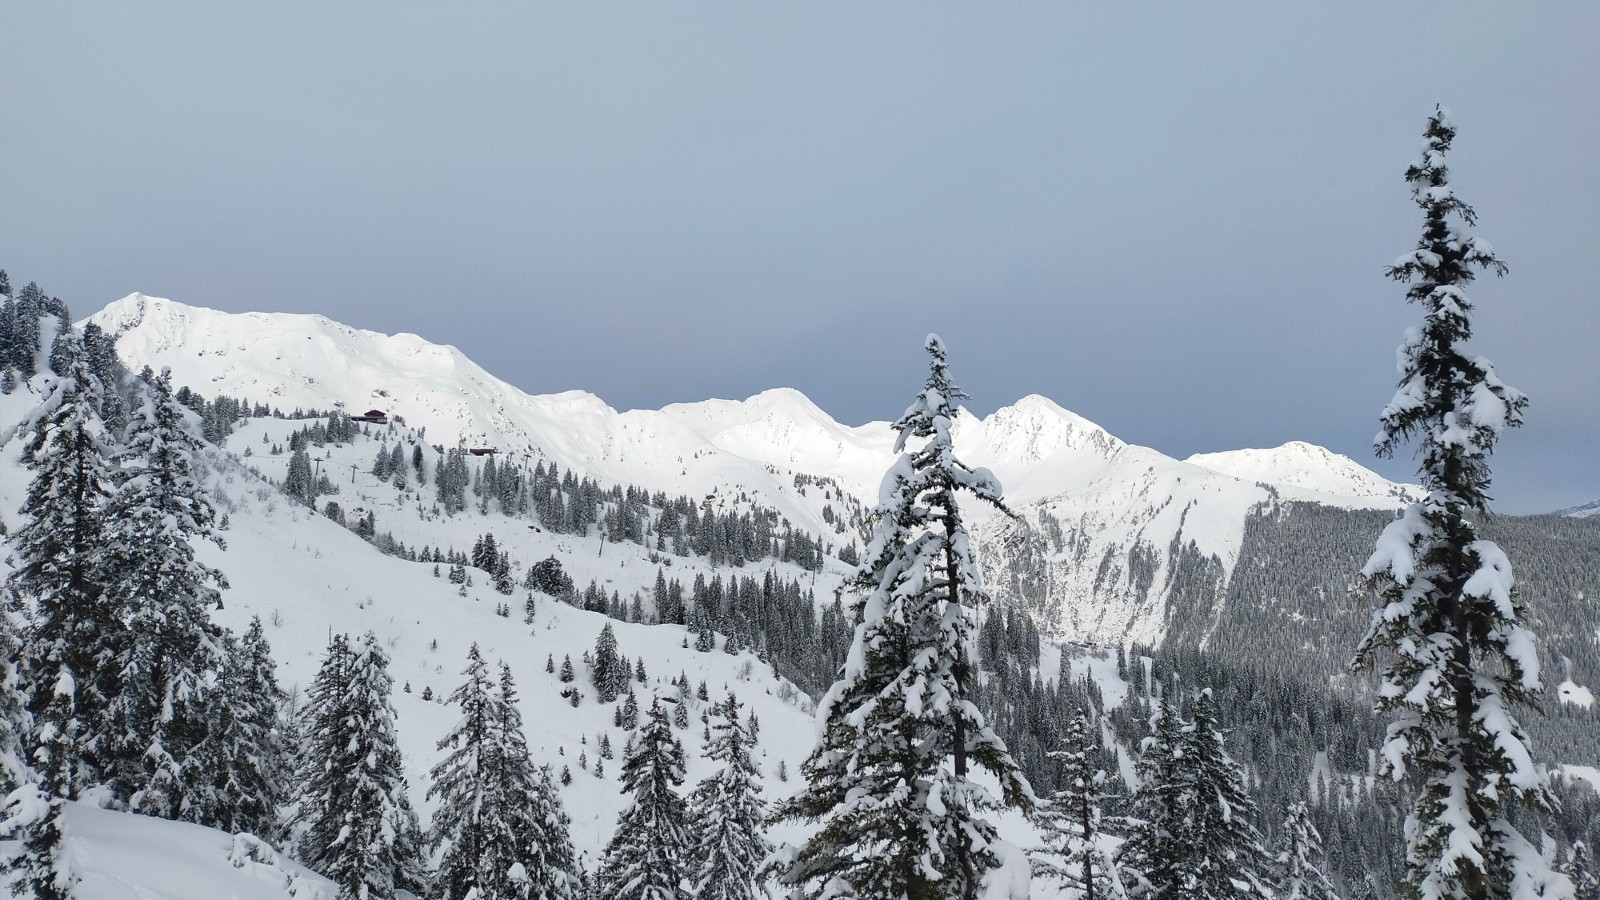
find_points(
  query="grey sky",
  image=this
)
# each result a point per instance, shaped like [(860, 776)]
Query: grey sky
[(1171, 218)]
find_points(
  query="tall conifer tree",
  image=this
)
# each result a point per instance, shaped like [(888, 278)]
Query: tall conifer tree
[(499, 827), (174, 652), (647, 857), (889, 783), (1227, 858), (1074, 824), (1448, 633), (730, 842), (548, 864), (238, 777), (358, 827), (74, 633), (15, 723), (1300, 875), (1157, 852)]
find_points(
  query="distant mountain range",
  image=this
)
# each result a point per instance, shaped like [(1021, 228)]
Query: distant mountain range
[(1115, 497), (1581, 511)]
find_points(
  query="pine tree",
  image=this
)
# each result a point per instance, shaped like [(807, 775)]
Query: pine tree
[(609, 672), (298, 484), (1583, 869), (358, 828), (238, 776), (1158, 852), (68, 670), (1300, 875), (15, 723), (1456, 657), (1227, 860), (647, 857), (549, 866), (889, 783), (1076, 853), (26, 812), (495, 825), (727, 810), (164, 593)]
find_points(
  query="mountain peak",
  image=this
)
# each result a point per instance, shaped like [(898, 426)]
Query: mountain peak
[(1303, 466), (1034, 429), (1581, 511)]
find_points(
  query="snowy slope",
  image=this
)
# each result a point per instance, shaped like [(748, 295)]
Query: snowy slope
[(307, 577), (118, 856)]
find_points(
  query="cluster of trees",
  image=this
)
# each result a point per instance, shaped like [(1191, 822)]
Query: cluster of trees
[(1188, 831), (121, 683), (671, 847), (567, 504), (500, 829)]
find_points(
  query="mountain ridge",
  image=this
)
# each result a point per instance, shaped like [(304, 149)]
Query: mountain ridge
[(260, 356)]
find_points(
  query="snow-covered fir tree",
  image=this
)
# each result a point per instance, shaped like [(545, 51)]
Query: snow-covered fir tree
[(609, 672), (298, 482), (1583, 869), (499, 829), (730, 840), (647, 858), (1193, 834), (1227, 857), (240, 774), (889, 785), (468, 830), (1448, 635), (14, 719), (357, 827), (1157, 852), (26, 812), (73, 633), (61, 551), (1300, 875), (174, 653), (1073, 825), (548, 864)]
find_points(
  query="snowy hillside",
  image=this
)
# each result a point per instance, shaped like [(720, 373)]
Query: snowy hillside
[(307, 577), (1113, 503)]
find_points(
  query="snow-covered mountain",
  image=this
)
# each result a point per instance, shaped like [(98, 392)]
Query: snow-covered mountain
[(1581, 511), (1118, 505), (1306, 467)]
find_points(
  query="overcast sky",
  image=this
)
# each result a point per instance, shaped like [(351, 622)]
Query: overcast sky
[(1170, 218)]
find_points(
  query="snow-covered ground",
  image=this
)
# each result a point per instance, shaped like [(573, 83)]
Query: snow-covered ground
[(307, 578), (119, 856), (1575, 694)]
